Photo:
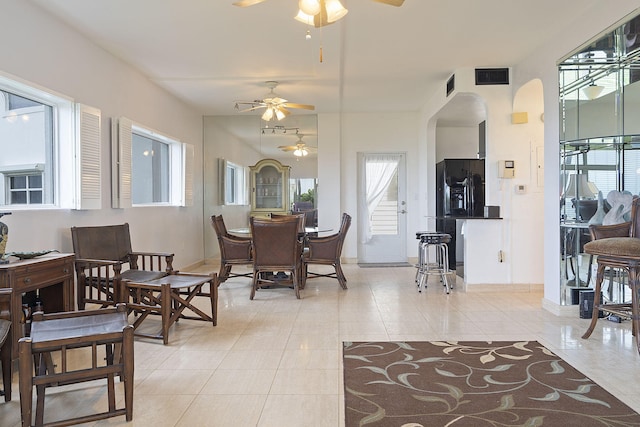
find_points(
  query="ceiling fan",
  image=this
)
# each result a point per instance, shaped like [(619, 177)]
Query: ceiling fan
[(319, 12), (275, 106), (300, 149)]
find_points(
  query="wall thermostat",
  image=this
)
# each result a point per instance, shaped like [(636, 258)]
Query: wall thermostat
[(506, 169), (520, 189)]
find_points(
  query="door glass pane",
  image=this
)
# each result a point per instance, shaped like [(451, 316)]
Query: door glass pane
[(384, 218), (381, 180)]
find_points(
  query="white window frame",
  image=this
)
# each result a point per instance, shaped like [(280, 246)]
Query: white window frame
[(236, 195), (62, 183), (181, 157), (27, 173)]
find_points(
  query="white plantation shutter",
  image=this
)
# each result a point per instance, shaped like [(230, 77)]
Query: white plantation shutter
[(187, 170), (88, 158), (121, 162)]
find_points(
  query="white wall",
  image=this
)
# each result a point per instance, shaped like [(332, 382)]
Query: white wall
[(513, 236), (331, 173), (221, 144), (379, 132), (55, 57), (459, 142), (301, 167)]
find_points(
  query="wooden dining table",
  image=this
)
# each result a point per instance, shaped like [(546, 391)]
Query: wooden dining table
[(246, 232)]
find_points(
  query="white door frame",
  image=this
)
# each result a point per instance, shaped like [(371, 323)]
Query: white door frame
[(382, 248)]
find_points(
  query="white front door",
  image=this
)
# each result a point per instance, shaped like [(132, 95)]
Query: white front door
[(382, 220)]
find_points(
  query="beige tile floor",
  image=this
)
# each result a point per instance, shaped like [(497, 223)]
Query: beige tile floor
[(276, 361)]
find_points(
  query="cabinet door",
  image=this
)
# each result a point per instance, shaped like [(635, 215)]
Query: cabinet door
[(269, 188)]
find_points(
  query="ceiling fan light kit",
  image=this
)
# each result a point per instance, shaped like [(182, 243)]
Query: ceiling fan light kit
[(319, 12), (273, 104), (300, 149), (334, 9), (328, 12), (309, 7), (300, 152)]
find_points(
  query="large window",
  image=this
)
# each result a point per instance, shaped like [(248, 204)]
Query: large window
[(233, 183), (50, 149), (149, 168), (27, 144)]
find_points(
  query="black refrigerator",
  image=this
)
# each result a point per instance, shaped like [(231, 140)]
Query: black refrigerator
[(459, 193)]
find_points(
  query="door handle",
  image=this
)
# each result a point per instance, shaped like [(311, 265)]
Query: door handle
[(403, 211)]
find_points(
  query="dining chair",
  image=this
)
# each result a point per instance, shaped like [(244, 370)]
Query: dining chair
[(6, 341), (326, 250), (299, 216), (276, 248), (234, 250), (618, 246)]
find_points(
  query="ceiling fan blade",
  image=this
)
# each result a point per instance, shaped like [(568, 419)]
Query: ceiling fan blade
[(252, 108), (245, 3), (396, 3), (302, 106), (288, 147), (282, 110), (274, 100)]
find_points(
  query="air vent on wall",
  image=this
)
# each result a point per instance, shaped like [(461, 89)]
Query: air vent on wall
[(451, 84), (492, 76)]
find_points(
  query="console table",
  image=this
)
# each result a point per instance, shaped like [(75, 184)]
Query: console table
[(50, 275)]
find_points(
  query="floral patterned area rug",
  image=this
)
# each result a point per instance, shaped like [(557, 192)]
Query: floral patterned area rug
[(472, 384)]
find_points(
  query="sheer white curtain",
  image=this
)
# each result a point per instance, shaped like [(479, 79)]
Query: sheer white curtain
[(379, 171)]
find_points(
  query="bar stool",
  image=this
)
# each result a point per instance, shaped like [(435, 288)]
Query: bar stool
[(440, 265)]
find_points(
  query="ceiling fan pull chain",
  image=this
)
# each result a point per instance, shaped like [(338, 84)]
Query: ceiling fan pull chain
[(320, 53)]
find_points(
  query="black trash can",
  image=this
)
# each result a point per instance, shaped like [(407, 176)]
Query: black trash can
[(586, 304)]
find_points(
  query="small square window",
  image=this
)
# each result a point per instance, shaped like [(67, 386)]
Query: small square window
[(25, 189)]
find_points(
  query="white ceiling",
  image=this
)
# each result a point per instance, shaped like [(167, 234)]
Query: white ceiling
[(210, 53)]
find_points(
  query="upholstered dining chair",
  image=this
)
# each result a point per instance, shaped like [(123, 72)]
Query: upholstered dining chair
[(234, 250), (618, 246), (326, 250), (6, 341), (299, 216), (276, 248)]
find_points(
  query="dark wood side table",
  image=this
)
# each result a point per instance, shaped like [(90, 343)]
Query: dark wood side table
[(50, 275)]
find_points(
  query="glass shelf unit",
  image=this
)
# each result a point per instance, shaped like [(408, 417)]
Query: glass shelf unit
[(599, 98)]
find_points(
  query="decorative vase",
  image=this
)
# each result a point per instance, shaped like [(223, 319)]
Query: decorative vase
[(598, 216), (620, 202), (4, 234)]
